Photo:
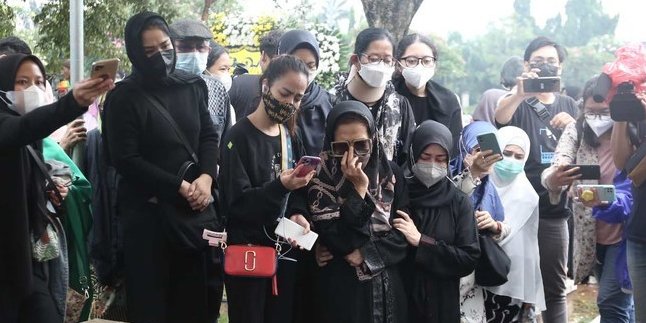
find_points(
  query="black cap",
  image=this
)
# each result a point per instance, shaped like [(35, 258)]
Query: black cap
[(189, 28)]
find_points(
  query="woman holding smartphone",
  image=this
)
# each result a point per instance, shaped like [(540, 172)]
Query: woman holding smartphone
[(599, 244), (256, 176)]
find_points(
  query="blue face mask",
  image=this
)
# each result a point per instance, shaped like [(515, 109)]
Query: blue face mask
[(194, 62), (508, 168)]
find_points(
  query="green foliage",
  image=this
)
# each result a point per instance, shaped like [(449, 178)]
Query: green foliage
[(585, 21), (7, 16)]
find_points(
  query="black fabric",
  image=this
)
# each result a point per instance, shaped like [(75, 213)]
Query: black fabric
[(431, 132), (249, 182), (448, 250), (314, 109), (245, 94), (440, 104), (106, 245), (542, 149), (493, 265), (22, 193), (637, 221)]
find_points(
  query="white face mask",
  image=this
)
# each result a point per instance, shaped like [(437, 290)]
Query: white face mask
[(193, 62), (429, 173), (312, 77), (600, 126), (26, 100), (376, 75), (418, 76), (225, 79)]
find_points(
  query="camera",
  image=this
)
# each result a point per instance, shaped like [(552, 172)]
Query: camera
[(624, 105)]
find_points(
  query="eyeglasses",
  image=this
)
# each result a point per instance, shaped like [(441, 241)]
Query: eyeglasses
[(361, 147), (412, 61), (540, 61), (597, 115), (376, 59)]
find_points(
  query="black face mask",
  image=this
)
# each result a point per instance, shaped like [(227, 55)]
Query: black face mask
[(161, 63), (546, 70), (277, 111)]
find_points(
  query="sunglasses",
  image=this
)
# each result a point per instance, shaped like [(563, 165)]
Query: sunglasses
[(362, 147)]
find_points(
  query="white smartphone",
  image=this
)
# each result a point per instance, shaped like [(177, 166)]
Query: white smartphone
[(287, 228)]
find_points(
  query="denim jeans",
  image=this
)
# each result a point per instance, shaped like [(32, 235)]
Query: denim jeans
[(637, 269), (615, 306)]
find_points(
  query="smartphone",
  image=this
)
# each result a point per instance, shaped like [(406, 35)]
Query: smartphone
[(309, 163), (489, 141), (587, 171), (542, 85), (287, 228), (605, 193), (106, 68)]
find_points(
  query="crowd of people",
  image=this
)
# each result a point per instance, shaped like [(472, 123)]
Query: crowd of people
[(416, 221)]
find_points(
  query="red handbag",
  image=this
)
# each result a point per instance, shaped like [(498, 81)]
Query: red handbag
[(251, 261)]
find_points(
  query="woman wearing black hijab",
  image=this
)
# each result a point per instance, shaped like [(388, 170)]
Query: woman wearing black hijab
[(32, 288), (317, 102), (441, 229), (165, 282), (352, 203)]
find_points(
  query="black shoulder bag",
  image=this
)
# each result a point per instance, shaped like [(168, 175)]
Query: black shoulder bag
[(493, 265), (184, 226), (544, 115)]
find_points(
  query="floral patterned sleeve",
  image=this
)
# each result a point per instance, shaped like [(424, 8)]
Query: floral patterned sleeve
[(565, 154)]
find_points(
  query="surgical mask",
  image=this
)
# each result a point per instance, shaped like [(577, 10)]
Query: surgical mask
[(429, 173), (376, 75), (312, 76), (599, 126), (277, 111), (508, 168), (193, 62), (161, 63), (418, 76), (26, 100), (225, 79)]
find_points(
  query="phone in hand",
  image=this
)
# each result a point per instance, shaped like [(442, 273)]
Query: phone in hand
[(542, 85), (105, 69), (589, 172), (604, 193), (489, 141), (310, 163)]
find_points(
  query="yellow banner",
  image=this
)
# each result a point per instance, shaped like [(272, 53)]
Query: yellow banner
[(249, 57)]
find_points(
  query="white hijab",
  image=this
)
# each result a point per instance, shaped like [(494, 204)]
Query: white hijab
[(520, 201)]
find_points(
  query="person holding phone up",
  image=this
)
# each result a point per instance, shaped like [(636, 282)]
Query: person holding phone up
[(599, 246), (543, 116)]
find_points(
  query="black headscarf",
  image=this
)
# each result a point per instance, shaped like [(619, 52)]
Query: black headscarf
[(297, 39), (142, 69), (440, 194), (8, 68)]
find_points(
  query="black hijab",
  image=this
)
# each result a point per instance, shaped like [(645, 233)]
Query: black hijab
[(142, 66), (440, 194), (297, 39), (8, 68)]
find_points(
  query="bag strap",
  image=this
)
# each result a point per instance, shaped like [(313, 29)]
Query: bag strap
[(543, 114), (43, 169), (158, 106)]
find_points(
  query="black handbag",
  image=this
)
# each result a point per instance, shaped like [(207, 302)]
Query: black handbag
[(184, 226), (494, 264)]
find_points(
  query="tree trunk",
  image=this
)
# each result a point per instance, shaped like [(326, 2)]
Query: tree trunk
[(394, 15), (205, 10)]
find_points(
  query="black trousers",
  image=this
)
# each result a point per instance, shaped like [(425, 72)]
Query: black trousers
[(38, 306), (250, 300), (162, 283)]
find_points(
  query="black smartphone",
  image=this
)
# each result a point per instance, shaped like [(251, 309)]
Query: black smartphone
[(587, 171), (489, 141), (542, 85)]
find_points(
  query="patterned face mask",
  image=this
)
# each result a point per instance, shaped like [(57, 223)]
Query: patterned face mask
[(277, 111)]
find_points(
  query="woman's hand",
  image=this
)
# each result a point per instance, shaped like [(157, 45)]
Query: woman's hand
[(481, 162), (199, 192), (64, 190), (352, 168), (486, 222), (292, 182), (75, 133), (86, 91), (302, 221), (322, 255), (355, 258), (590, 203), (563, 176), (406, 226)]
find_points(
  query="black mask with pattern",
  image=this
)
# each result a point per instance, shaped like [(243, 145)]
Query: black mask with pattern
[(277, 111)]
